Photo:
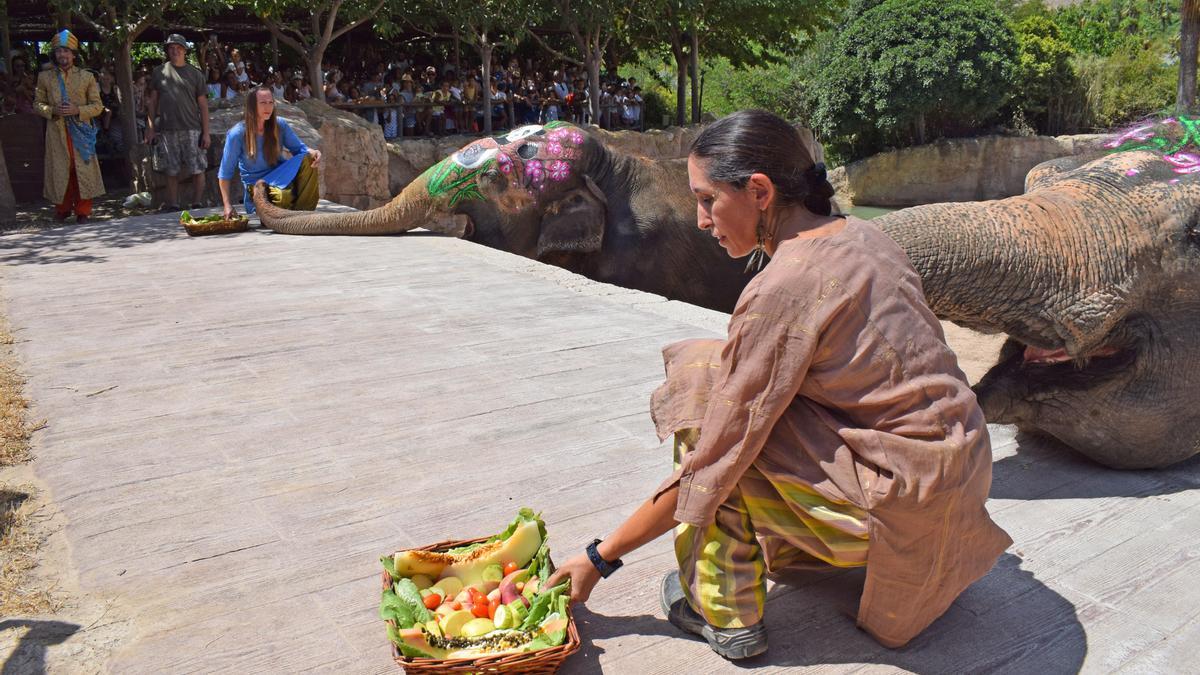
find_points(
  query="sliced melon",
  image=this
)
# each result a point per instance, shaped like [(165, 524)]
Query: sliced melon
[(478, 627), (520, 547), (453, 624), (417, 639)]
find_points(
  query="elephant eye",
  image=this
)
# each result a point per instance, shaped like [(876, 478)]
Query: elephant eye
[(527, 151), (474, 156)]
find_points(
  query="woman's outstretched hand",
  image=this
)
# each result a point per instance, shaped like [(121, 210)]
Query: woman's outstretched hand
[(582, 573)]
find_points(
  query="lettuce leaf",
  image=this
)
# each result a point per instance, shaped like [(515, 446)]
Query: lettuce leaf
[(540, 566), (389, 564), (556, 636), (544, 603), (403, 604)]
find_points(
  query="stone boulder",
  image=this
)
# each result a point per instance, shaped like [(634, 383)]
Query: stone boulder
[(222, 116), (952, 170), (354, 157), (408, 158)]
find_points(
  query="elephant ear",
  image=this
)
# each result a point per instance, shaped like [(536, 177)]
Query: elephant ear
[(574, 223)]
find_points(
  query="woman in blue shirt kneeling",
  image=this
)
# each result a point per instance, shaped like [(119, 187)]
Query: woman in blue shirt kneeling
[(293, 182)]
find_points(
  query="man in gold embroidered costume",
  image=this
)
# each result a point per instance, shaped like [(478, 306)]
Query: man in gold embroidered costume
[(69, 97)]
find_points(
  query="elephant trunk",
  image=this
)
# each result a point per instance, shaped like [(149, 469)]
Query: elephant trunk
[(413, 207), (1014, 266)]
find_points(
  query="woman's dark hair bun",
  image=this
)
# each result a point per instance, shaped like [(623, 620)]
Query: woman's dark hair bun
[(756, 141)]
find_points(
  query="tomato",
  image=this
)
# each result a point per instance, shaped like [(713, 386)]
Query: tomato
[(510, 568), (480, 611), (477, 597), (432, 601), (492, 608), (456, 605)]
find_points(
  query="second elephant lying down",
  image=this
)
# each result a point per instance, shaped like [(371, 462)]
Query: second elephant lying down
[(1094, 273)]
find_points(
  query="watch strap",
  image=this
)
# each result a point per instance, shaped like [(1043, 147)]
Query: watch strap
[(603, 566)]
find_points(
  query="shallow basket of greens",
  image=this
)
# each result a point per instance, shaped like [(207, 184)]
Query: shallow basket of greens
[(213, 224), (478, 605)]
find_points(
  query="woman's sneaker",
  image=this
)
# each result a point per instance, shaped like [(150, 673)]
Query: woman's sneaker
[(732, 643)]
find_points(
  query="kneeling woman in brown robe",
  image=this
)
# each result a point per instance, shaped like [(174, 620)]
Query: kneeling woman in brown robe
[(833, 426)]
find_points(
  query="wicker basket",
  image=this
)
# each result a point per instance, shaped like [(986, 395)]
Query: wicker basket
[(196, 228), (546, 660)]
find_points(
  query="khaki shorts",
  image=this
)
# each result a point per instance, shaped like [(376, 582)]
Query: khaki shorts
[(178, 153)]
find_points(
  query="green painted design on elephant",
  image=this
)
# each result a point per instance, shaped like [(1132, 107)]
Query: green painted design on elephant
[(1167, 136), (555, 124), (448, 177)]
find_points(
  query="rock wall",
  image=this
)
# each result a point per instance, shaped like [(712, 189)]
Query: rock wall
[(952, 170), (354, 158)]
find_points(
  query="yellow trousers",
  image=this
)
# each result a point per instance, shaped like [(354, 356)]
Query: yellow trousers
[(770, 521), (302, 193)]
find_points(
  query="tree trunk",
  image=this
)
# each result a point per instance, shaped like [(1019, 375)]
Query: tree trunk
[(919, 128), (680, 78), (485, 55), (133, 150), (8, 201), (315, 80), (695, 70), (274, 53), (5, 37), (1189, 32), (596, 55)]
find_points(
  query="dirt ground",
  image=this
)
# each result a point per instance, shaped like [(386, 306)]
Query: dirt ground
[(41, 603)]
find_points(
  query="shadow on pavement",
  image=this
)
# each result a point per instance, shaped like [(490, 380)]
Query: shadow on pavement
[(29, 656), (1044, 468)]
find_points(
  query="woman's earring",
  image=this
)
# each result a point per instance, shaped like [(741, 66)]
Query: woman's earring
[(759, 255)]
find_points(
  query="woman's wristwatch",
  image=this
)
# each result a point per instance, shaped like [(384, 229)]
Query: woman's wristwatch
[(603, 566)]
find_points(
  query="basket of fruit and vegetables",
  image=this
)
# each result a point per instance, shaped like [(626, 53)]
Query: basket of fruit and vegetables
[(479, 605), (214, 224)]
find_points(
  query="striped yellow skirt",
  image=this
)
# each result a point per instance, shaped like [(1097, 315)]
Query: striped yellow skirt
[(769, 522)]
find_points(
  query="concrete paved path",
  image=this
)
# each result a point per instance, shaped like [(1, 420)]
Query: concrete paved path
[(239, 426)]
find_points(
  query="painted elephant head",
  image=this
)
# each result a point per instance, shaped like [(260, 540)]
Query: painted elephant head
[(1094, 274), (489, 180)]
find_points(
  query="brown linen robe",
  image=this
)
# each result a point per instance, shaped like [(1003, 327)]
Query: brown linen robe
[(84, 93), (835, 366)]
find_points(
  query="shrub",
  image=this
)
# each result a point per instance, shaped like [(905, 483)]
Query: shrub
[(1046, 93), (1105, 27), (907, 70), (774, 87), (1130, 84)]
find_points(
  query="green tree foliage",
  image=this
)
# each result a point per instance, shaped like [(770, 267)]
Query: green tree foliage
[(1046, 93), (772, 86), (1105, 26), (1129, 84), (906, 70)]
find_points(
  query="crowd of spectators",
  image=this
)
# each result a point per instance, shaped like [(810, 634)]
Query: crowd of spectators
[(433, 99), (431, 96)]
